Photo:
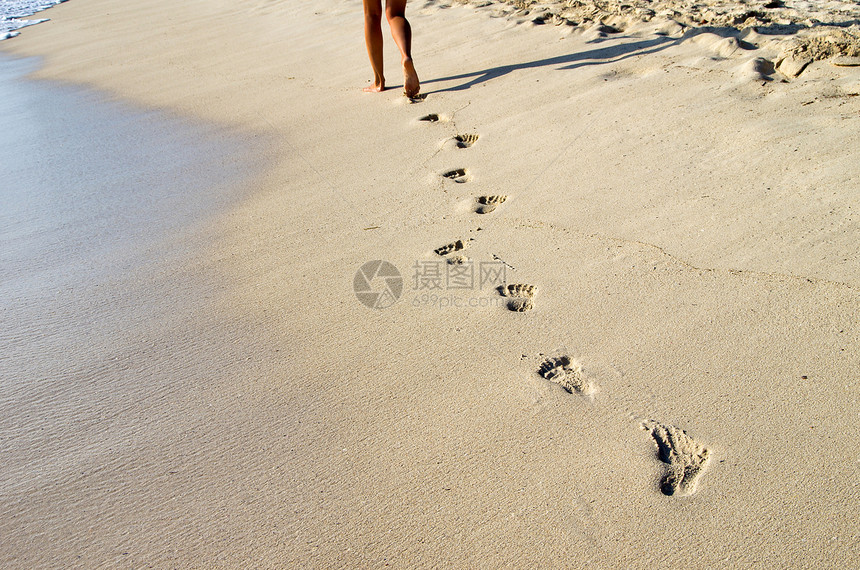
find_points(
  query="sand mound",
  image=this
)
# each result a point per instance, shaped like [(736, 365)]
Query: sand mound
[(799, 34)]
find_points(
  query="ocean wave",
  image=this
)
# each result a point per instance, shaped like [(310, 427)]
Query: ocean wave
[(14, 12)]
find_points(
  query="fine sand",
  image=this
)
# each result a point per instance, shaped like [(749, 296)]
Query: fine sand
[(667, 377)]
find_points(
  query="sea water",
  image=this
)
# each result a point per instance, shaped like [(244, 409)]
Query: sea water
[(113, 303), (97, 199), (14, 12)]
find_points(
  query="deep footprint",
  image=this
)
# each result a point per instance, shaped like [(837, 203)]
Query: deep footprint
[(451, 247), (567, 374), (431, 118), (518, 290), (686, 458), (521, 305), (487, 204), (458, 175), (606, 29), (521, 296), (417, 98), (465, 141)]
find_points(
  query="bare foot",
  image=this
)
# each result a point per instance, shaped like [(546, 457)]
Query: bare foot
[(411, 86), (378, 85)]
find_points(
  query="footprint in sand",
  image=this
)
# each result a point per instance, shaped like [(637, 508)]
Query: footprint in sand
[(431, 118), (458, 175), (686, 458), (607, 29), (519, 290), (417, 98), (487, 204), (521, 305), (450, 248), (522, 296), (465, 141), (568, 374)]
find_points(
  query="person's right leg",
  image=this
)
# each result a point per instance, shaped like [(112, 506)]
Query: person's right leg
[(395, 11), (373, 39)]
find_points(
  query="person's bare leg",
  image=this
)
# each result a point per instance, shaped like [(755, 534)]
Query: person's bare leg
[(373, 39), (395, 11)]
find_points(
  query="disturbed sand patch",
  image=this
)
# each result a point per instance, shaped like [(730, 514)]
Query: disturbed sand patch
[(798, 33)]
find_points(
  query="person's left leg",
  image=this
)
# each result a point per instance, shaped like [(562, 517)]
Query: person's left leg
[(395, 11), (373, 39)]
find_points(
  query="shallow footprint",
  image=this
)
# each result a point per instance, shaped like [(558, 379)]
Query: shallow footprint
[(568, 374), (686, 458), (431, 118), (487, 204), (449, 248)]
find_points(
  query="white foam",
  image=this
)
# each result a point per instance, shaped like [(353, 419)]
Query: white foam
[(13, 12)]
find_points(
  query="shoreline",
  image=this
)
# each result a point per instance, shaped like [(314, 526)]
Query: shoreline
[(109, 292), (683, 213)]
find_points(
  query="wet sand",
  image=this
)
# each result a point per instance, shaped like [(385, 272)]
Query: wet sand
[(111, 318)]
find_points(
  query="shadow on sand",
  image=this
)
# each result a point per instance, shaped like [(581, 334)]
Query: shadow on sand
[(616, 53), (597, 56)]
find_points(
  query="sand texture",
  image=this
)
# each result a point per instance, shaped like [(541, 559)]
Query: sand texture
[(591, 301)]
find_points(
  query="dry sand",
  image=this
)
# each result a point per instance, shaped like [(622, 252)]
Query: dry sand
[(683, 203)]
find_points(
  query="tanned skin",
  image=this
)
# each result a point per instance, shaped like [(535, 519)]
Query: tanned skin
[(395, 13)]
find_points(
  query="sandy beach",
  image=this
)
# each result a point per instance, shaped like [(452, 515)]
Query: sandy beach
[(591, 301)]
